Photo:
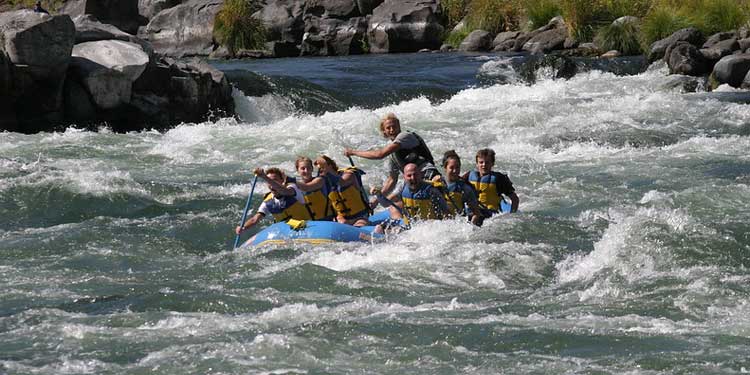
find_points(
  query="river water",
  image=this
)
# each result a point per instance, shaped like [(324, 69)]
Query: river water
[(629, 254)]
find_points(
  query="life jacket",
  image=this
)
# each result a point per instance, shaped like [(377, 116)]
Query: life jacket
[(418, 155), (419, 203), (454, 195), (486, 187), (290, 208), (351, 201), (318, 202)]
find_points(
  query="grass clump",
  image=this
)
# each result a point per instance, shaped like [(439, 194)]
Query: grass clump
[(539, 12), (236, 29), (722, 15), (492, 15), (454, 11), (455, 38), (621, 36), (661, 22)]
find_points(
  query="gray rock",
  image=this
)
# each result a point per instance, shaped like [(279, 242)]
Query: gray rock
[(684, 58), (682, 83), (405, 26), (744, 44), (283, 20), (610, 54), (124, 57), (732, 69), (108, 88), (504, 37), (571, 42), (334, 37), (477, 40), (342, 9), (720, 49), (446, 47), (626, 19), (89, 29), (37, 40), (366, 6), (150, 8), (78, 104), (718, 37), (121, 13), (546, 41), (658, 49), (184, 30)]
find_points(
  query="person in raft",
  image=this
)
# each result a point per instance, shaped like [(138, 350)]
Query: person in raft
[(460, 195), (284, 201), (347, 195), (420, 199), (491, 186), (316, 190), (403, 148)]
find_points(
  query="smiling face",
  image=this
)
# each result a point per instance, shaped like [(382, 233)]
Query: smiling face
[(305, 170), (412, 175), (484, 165), (276, 177), (322, 165), (391, 128), (453, 169)]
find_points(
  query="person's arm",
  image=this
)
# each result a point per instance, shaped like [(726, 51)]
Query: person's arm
[(513, 202), (347, 179), (281, 189), (314, 184), (389, 183), (471, 200), (374, 154), (249, 223)]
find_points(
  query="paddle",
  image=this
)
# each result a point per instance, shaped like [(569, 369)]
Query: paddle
[(244, 213)]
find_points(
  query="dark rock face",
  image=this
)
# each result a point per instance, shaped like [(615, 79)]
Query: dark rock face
[(184, 30), (684, 58), (720, 49), (478, 40), (330, 36), (283, 20), (41, 42), (341, 9), (367, 6), (405, 26), (718, 37), (658, 49), (121, 13), (732, 69)]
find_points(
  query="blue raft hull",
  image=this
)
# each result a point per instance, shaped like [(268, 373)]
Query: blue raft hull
[(317, 232)]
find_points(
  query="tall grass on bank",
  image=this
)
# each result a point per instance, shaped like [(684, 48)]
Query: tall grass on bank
[(661, 22), (621, 36), (454, 11), (235, 27), (539, 12), (493, 15)]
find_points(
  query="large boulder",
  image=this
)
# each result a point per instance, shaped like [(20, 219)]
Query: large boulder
[(546, 41), (184, 30), (150, 8), (718, 37), (37, 40), (330, 36), (658, 49), (123, 14), (732, 69), (503, 38), (720, 49), (89, 29), (684, 58), (405, 26), (283, 20), (477, 40), (124, 57), (108, 88), (341, 9), (366, 6)]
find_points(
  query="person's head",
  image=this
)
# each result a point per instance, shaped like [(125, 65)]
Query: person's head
[(412, 175), (485, 160), (38, 4), (277, 175), (304, 167), (326, 164), (390, 126), (452, 165)]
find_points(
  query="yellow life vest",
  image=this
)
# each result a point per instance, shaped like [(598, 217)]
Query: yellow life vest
[(419, 203), (486, 187), (293, 209), (319, 205), (454, 195), (349, 202)]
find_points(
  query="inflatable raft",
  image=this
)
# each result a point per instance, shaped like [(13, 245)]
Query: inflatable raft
[(316, 232), (319, 232)]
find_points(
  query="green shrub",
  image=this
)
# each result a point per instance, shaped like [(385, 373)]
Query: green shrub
[(722, 15), (235, 27), (456, 37), (492, 15), (661, 22), (453, 11), (539, 12), (623, 36), (614, 9), (583, 17)]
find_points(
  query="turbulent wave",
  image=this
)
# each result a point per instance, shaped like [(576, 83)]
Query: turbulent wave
[(629, 254)]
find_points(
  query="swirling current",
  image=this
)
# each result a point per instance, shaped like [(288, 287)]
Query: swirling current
[(629, 255)]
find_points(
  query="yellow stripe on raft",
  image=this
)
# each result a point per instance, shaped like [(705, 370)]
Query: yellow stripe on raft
[(313, 241)]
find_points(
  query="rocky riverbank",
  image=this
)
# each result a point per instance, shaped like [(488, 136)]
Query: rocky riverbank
[(113, 62)]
